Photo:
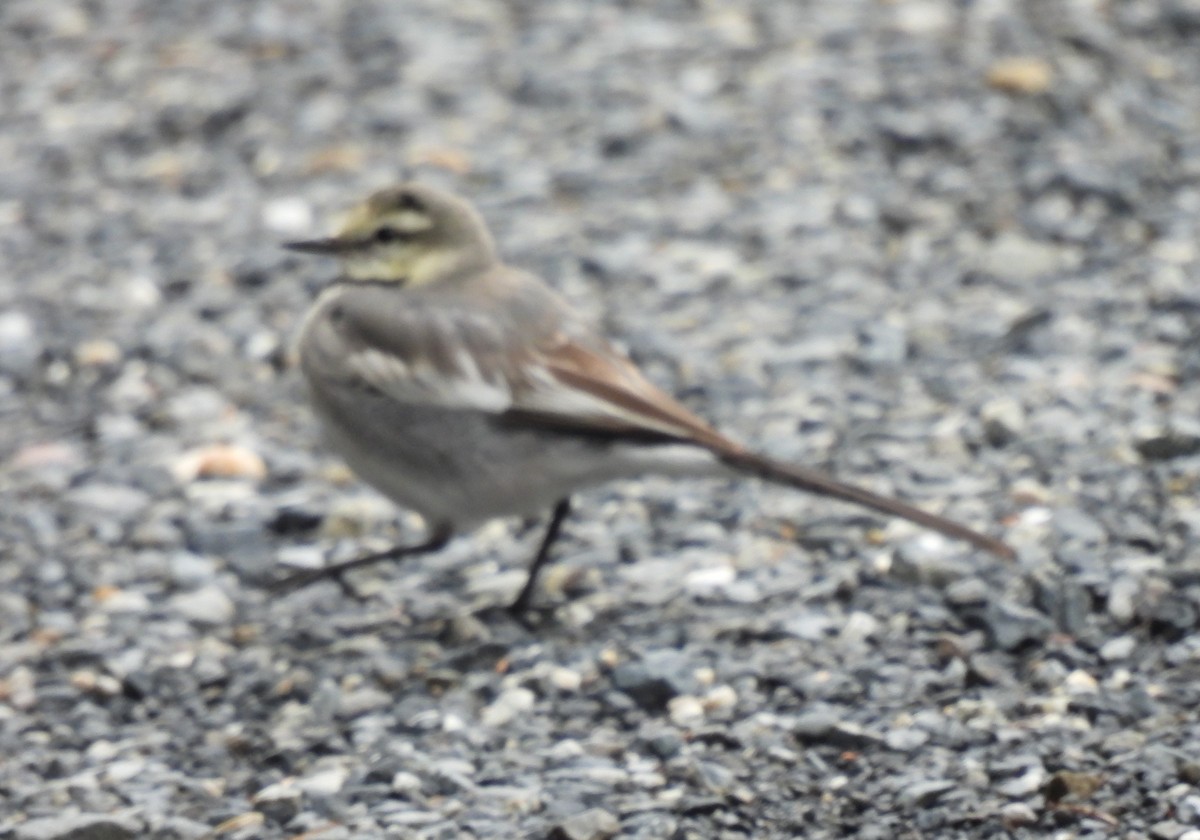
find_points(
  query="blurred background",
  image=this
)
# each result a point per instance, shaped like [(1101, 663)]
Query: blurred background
[(945, 248)]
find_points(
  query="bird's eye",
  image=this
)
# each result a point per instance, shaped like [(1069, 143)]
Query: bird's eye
[(408, 201), (388, 234)]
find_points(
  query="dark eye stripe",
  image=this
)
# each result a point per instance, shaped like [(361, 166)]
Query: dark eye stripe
[(389, 234)]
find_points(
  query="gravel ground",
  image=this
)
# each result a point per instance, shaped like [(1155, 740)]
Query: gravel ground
[(948, 249)]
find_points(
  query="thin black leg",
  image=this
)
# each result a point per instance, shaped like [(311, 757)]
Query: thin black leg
[(561, 510), (436, 541)]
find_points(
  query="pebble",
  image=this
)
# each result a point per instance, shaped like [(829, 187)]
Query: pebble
[(20, 347), (1081, 682), (1118, 649), (208, 605), (924, 793), (219, 461), (1003, 420), (592, 824), (79, 827), (511, 703), (1167, 830), (1122, 599), (1017, 258), (708, 581), (649, 689), (906, 739), (967, 592), (326, 781), (1017, 815), (291, 215), (858, 628), (1021, 74), (1013, 625), (685, 710), (280, 801)]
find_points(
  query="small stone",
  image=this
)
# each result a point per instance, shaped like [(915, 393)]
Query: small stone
[(1013, 625), (720, 698), (326, 781), (112, 599), (821, 726), (967, 592), (1017, 815), (685, 710), (592, 824), (1122, 599), (708, 581), (1029, 493), (1012, 256), (208, 605), (1020, 74), (1026, 784), (507, 706), (280, 801), (1188, 809), (41, 455), (19, 688), (20, 347), (649, 690), (79, 827), (189, 570), (406, 783), (1122, 647), (665, 745), (290, 215), (353, 516), (1003, 420), (926, 793), (99, 352), (906, 739), (1167, 830), (564, 679), (1080, 682), (859, 627), (219, 460), (1166, 445), (91, 682)]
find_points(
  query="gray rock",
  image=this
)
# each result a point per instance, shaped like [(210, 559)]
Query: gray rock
[(1167, 830), (79, 827), (1013, 626), (1012, 256), (20, 347), (925, 793), (208, 605), (592, 824)]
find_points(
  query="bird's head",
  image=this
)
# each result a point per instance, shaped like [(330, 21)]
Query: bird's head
[(411, 234)]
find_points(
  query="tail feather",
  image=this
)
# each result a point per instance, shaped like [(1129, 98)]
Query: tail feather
[(812, 481)]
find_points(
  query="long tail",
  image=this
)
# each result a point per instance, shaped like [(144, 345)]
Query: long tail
[(812, 481)]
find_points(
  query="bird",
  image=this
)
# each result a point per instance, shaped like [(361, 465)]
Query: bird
[(466, 390)]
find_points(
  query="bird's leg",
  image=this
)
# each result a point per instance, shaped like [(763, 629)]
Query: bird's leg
[(437, 540), (561, 510)]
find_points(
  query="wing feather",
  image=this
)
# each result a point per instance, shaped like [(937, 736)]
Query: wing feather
[(528, 359)]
